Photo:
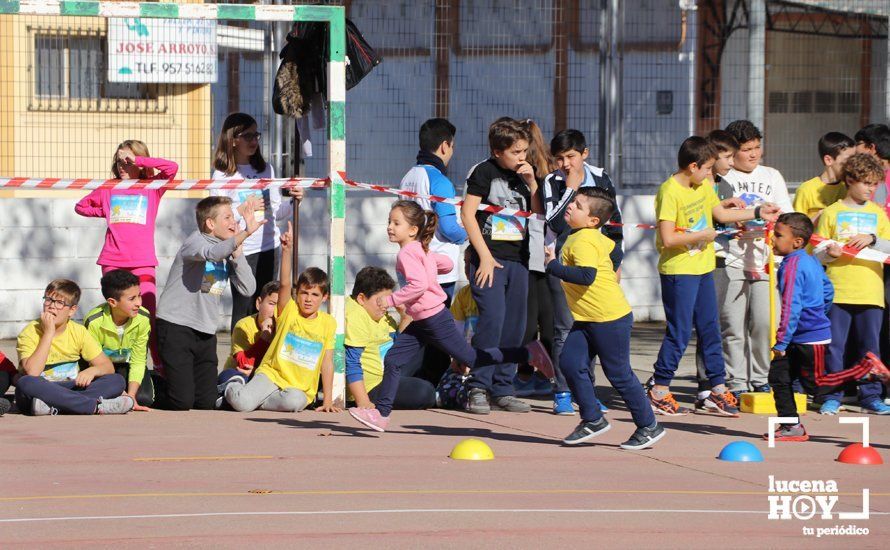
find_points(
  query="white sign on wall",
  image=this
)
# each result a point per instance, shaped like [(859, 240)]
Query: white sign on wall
[(162, 50)]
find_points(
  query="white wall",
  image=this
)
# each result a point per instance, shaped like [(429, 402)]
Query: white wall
[(44, 239)]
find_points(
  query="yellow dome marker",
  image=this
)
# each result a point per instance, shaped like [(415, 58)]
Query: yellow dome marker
[(472, 449)]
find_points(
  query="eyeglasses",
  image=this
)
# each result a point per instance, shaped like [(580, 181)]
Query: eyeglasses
[(58, 303), (250, 136)]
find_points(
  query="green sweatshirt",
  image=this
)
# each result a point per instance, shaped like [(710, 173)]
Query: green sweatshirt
[(128, 348)]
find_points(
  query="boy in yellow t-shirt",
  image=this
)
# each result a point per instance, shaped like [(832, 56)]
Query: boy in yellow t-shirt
[(303, 347), (50, 380), (814, 195), (685, 207), (603, 321), (370, 332), (858, 305)]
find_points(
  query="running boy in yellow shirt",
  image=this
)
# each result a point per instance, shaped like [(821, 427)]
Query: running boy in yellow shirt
[(685, 207), (603, 321), (814, 195), (303, 347), (856, 313)]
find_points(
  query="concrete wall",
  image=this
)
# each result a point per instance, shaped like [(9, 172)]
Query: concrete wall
[(44, 239)]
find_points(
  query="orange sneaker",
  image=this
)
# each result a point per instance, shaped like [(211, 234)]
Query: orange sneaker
[(667, 406)]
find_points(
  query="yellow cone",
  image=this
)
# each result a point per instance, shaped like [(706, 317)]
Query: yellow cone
[(472, 449)]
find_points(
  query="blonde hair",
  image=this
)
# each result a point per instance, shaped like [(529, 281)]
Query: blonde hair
[(140, 150), (224, 155)]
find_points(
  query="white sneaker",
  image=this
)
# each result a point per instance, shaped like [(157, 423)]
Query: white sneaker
[(118, 405), (39, 408)]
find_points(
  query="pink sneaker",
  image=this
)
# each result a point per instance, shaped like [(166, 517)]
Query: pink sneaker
[(540, 359), (370, 418)]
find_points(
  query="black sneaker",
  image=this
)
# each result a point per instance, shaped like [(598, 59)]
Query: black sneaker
[(477, 402), (587, 430), (5, 405), (644, 437)]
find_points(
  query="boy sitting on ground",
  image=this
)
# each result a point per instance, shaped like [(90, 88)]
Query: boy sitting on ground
[(303, 346), (50, 380), (122, 327)]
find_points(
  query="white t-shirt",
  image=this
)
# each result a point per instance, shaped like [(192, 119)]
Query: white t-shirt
[(268, 237), (763, 184)]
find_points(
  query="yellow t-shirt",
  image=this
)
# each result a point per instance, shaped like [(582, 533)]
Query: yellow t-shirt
[(855, 281), (602, 301), (375, 337), (295, 354), (243, 338), (689, 208), (65, 351), (464, 309), (814, 196)]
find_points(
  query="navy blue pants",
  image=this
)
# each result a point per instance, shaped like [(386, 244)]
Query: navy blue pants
[(501, 324), (610, 342), (690, 300), (66, 396), (439, 331), (855, 330)]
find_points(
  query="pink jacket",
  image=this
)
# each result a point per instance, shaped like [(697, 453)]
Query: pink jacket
[(130, 215), (417, 270)]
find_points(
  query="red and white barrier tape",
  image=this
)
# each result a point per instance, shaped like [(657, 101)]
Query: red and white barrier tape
[(172, 184), (868, 254)]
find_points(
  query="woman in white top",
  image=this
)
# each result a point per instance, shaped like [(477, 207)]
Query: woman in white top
[(238, 156)]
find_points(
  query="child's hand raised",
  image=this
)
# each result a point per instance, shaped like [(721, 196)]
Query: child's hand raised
[(247, 209), (860, 241), (287, 237)]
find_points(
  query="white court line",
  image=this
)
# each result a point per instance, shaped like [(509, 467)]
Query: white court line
[(399, 511)]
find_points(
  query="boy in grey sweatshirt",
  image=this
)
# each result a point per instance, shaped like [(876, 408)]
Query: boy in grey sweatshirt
[(188, 311)]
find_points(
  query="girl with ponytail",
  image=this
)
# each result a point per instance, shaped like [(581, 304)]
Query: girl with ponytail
[(412, 228)]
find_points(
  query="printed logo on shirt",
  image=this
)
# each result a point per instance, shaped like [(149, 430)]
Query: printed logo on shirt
[(752, 200), (301, 352), (700, 225), (118, 355), (850, 224), (216, 276), (259, 214), (60, 372), (384, 348), (129, 209), (507, 228)]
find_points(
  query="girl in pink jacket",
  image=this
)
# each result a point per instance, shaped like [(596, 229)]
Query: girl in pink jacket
[(431, 322), (130, 215)]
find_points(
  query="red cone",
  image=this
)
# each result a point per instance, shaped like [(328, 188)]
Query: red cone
[(855, 453)]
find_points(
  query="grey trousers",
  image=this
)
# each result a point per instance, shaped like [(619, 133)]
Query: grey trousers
[(261, 393)]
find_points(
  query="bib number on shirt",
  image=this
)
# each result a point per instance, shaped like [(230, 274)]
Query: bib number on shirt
[(850, 224), (507, 228), (301, 352), (61, 372), (129, 209), (215, 278)]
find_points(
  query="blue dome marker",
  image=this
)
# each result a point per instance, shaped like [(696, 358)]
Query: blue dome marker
[(740, 451)]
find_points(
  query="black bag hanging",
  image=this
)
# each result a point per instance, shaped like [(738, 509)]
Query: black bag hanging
[(360, 56)]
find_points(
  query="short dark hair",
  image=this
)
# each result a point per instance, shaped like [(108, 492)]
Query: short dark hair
[(566, 140), (370, 280), (744, 131), (601, 204), (434, 132), (801, 225), (206, 209), (695, 149), (272, 287), (833, 143), (863, 167), (314, 276), (723, 141), (877, 135), (65, 287), (115, 282), (504, 132)]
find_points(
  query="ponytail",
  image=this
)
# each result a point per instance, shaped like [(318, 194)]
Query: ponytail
[(430, 223)]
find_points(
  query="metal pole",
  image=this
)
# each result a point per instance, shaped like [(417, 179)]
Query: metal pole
[(756, 61), (605, 62), (295, 259)]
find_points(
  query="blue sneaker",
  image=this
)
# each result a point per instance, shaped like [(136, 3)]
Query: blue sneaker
[(830, 407), (876, 406), (562, 404), (603, 409)]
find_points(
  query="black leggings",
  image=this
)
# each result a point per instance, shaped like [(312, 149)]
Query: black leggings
[(412, 394), (539, 322)]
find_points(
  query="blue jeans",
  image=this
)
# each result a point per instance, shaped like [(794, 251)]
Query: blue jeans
[(66, 396), (690, 300), (501, 324), (439, 331), (855, 330), (609, 341)]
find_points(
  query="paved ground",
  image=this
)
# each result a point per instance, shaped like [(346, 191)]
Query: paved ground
[(222, 479)]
